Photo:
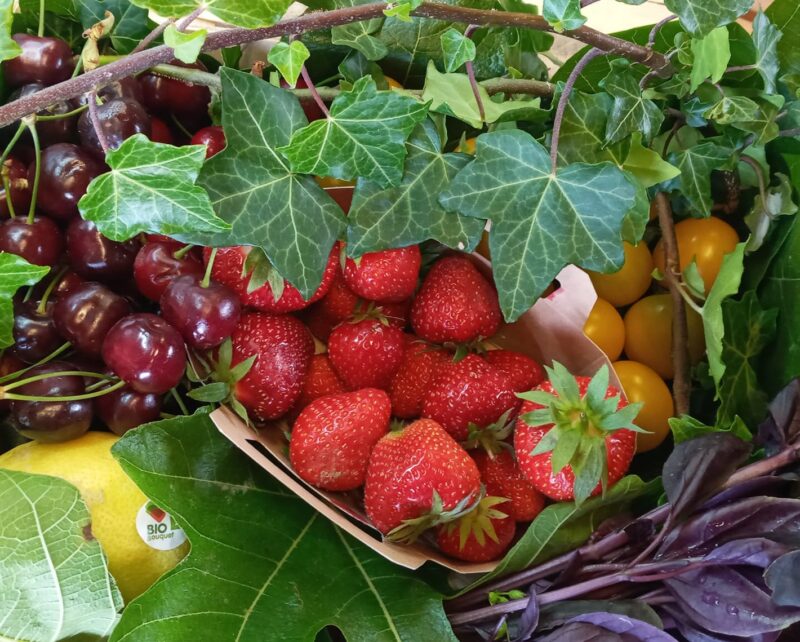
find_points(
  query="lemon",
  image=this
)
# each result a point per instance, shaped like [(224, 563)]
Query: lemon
[(113, 501)]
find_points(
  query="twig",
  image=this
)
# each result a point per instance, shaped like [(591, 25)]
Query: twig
[(314, 92), (473, 82), (651, 40), (735, 68), (150, 37), (91, 101), (789, 133), (762, 183), (185, 22)]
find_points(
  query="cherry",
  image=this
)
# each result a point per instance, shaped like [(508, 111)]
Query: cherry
[(145, 352), (66, 284), (40, 242), (160, 132), (8, 365), (124, 409), (85, 315), (310, 107), (120, 118), (95, 257), (66, 171), (61, 130), (205, 315), (164, 95), (156, 266), (124, 88), (35, 334), (213, 137), (18, 185), (51, 421), (44, 60)]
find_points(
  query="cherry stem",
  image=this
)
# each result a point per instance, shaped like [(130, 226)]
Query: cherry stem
[(180, 253), (83, 397), (78, 67), (12, 142), (181, 126), (7, 188), (91, 101), (42, 307), (40, 32), (179, 401), (473, 82), (37, 149), (314, 93), (18, 373), (99, 384), (48, 375), (74, 112), (209, 267)]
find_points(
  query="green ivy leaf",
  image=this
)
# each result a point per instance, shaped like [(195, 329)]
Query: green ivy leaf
[(457, 49), (402, 9), (563, 15), (242, 13), (696, 164), (647, 165), (364, 136), (784, 15), (685, 428), (410, 212), (61, 19), (289, 59), (359, 36), (8, 48), (185, 45), (15, 273), (540, 221), (733, 109), (583, 130), (764, 124), (700, 17), (151, 188), (776, 202), (631, 111), (766, 37), (131, 23), (710, 57)]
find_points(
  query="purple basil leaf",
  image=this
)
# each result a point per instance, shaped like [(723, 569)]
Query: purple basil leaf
[(693, 634), (783, 577), (556, 614), (583, 632), (770, 485), (632, 630), (529, 619), (754, 551), (783, 423)]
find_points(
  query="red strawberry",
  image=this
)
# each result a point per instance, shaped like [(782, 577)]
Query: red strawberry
[(366, 353), (482, 535), (334, 435), (421, 362), (389, 275), (523, 372), (283, 347), (468, 395), (455, 303), (321, 380), (418, 477), (502, 478), (569, 441)]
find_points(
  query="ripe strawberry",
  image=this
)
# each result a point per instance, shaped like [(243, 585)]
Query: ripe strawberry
[(334, 435), (321, 380), (523, 372), (389, 275), (575, 437), (502, 478), (482, 535), (366, 353), (283, 348), (421, 362), (418, 477), (455, 303)]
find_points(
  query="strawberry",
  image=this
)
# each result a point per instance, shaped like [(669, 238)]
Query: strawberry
[(455, 303), (575, 436), (418, 477), (366, 353), (502, 478), (421, 362), (283, 348), (334, 435), (482, 535), (388, 275), (321, 380), (468, 396), (523, 372)]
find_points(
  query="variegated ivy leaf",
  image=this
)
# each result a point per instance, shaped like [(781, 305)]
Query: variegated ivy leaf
[(185, 45), (401, 9), (289, 59), (358, 36), (700, 17), (457, 49), (8, 48), (765, 38), (776, 201), (15, 272), (631, 111), (563, 15), (710, 57), (242, 13), (696, 164)]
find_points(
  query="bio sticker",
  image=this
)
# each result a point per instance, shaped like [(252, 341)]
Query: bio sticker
[(157, 528)]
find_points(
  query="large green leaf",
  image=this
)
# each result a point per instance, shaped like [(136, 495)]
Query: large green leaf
[(359, 36), (766, 38), (15, 272), (56, 583), (243, 13), (131, 23), (785, 16), (8, 48), (583, 130), (631, 111), (696, 164), (457, 49), (252, 187), (540, 221), (61, 20), (700, 17), (563, 15), (775, 202), (263, 564), (710, 57)]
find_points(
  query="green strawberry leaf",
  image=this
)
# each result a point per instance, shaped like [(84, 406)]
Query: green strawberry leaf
[(279, 565), (540, 221), (457, 49), (251, 177), (777, 201), (646, 165), (563, 15), (56, 583), (151, 188), (359, 36), (15, 273), (631, 111), (710, 57), (289, 59), (131, 23), (696, 164), (364, 136), (242, 13), (8, 48), (185, 45), (409, 213), (766, 37), (700, 17)]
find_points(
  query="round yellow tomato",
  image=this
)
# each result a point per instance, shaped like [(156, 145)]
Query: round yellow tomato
[(393, 84), (706, 240), (642, 384), (648, 334), (606, 328), (467, 146), (630, 282)]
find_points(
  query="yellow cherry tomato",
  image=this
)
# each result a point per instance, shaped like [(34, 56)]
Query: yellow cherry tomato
[(642, 384), (483, 246), (467, 146), (648, 334), (706, 240), (393, 84), (605, 327), (629, 283), (341, 191)]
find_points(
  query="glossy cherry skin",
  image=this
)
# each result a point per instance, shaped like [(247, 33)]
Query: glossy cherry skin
[(164, 95), (44, 60), (51, 421), (213, 137), (120, 118), (205, 316), (61, 130), (160, 132), (18, 185), (8, 364), (84, 316), (40, 242), (66, 284), (35, 334), (65, 172), (125, 409), (145, 352), (156, 267), (95, 257)]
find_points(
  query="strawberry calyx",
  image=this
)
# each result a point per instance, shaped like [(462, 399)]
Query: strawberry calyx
[(478, 522), (371, 310), (462, 350), (491, 438), (410, 529), (579, 425)]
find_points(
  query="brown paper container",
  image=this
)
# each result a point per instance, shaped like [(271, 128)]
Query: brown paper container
[(551, 330)]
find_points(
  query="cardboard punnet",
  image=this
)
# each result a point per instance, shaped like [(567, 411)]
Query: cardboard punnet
[(551, 330)]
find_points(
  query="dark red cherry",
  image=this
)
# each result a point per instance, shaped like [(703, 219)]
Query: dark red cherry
[(65, 173), (35, 334), (164, 95), (61, 130), (160, 132), (125, 409), (44, 60), (120, 118), (156, 266), (66, 284), (95, 257), (310, 107), (18, 185), (123, 88), (205, 316), (145, 352), (8, 365), (40, 242), (84, 316), (213, 137), (51, 421)]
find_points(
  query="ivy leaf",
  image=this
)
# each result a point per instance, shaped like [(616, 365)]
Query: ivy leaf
[(364, 136), (457, 49), (647, 165), (684, 428), (583, 131), (776, 202), (131, 23), (250, 177), (15, 272), (766, 37), (410, 212), (359, 36), (8, 48), (242, 13), (631, 111), (185, 45), (700, 17), (764, 124), (56, 583), (563, 15), (696, 164), (540, 221), (784, 15), (402, 9), (261, 558), (289, 59), (150, 188), (733, 109), (710, 57)]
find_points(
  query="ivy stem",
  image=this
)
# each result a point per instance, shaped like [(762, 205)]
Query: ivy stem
[(762, 184), (37, 151), (789, 133), (209, 268), (651, 40), (144, 43), (83, 397), (564, 98), (40, 31), (185, 22), (313, 89), (49, 290), (94, 116), (735, 68), (59, 350), (473, 82)]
